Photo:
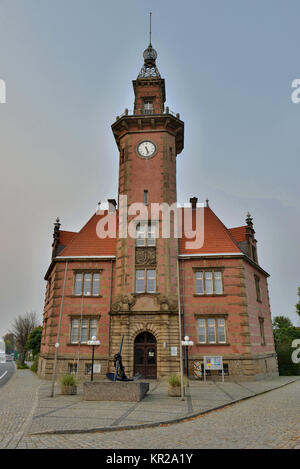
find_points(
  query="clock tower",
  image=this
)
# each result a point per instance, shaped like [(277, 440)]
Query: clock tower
[(145, 305)]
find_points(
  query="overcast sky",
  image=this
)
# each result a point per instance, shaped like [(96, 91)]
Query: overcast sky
[(68, 67)]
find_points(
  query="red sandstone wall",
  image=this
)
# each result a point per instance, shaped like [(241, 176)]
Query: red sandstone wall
[(258, 309), (231, 303)]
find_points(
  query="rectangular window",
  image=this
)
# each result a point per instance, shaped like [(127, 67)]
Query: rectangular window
[(145, 234), (96, 284), (88, 369), (211, 331), (148, 107), (87, 291), (218, 283), (257, 287), (221, 331), (74, 331), (72, 368), (201, 331), (93, 328), (151, 277), (140, 281), (199, 283), (78, 284), (146, 197), (145, 281), (83, 330), (262, 331), (151, 235), (87, 284), (209, 282)]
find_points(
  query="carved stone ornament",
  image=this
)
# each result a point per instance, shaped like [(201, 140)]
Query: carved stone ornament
[(168, 303), (123, 303), (145, 256)]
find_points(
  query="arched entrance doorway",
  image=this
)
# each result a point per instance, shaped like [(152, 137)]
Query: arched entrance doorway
[(145, 355)]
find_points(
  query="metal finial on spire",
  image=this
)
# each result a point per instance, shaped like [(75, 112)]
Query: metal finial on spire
[(150, 34), (149, 69)]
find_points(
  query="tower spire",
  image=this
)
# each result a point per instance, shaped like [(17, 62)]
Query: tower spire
[(149, 69), (150, 33)]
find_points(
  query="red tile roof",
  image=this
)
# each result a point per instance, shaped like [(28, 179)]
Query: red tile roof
[(239, 233), (217, 239), (65, 237), (87, 243)]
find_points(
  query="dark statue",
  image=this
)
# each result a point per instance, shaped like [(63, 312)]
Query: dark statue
[(119, 374)]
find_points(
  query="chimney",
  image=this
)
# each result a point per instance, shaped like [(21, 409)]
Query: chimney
[(112, 204), (193, 202)]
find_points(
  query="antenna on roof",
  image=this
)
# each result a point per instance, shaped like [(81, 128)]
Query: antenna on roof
[(150, 34)]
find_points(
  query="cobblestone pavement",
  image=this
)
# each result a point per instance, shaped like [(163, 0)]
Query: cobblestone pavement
[(267, 421), (67, 413), (18, 400), (27, 412)]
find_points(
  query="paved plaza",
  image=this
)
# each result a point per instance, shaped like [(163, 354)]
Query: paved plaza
[(29, 418)]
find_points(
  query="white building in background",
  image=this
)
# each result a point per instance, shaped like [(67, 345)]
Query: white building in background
[(2, 351)]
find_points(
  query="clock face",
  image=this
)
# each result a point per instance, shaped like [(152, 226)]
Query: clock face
[(146, 149)]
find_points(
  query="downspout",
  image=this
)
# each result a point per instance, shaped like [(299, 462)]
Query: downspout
[(109, 321), (81, 314), (180, 334), (58, 333)]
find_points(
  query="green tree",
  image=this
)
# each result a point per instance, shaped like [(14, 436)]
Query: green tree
[(282, 322), (298, 304), (21, 329), (34, 341), (284, 334), (9, 342)]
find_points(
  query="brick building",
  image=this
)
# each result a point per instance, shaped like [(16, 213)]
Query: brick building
[(128, 285)]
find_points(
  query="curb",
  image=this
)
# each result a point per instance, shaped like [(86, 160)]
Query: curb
[(162, 423)]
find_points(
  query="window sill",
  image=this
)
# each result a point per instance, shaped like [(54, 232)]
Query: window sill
[(86, 296), (213, 345), (145, 293), (77, 344), (204, 295)]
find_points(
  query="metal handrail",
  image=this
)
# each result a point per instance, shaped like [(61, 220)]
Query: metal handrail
[(145, 112)]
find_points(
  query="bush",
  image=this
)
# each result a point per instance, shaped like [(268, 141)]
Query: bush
[(68, 380), (174, 381), (34, 366), (22, 367), (285, 365)]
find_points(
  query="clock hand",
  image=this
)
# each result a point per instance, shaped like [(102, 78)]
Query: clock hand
[(146, 148)]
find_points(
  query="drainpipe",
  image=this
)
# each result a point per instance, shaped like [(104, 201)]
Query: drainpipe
[(180, 333), (58, 333), (109, 321)]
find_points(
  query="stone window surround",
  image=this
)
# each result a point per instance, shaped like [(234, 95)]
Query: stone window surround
[(79, 317), (145, 281), (257, 288), (83, 272), (261, 321), (209, 269), (212, 316)]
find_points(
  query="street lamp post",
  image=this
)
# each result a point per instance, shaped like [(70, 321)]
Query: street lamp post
[(187, 343), (93, 343)]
